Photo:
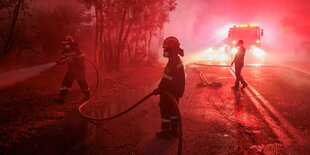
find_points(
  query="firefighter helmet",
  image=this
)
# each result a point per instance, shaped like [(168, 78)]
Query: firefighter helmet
[(171, 42), (67, 40)]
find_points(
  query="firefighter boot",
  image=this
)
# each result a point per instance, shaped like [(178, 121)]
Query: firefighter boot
[(164, 133), (86, 92), (62, 98), (235, 88), (174, 128), (244, 85)]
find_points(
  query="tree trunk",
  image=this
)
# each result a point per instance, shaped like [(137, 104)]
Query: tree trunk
[(129, 50), (126, 36), (160, 42), (149, 42), (100, 31), (123, 36), (120, 39), (135, 51), (9, 43), (145, 43), (109, 65), (97, 31)]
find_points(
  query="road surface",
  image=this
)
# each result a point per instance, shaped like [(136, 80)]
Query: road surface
[(271, 116)]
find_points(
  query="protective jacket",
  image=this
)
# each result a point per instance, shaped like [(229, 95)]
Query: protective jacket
[(173, 79), (239, 57), (74, 53), (239, 63)]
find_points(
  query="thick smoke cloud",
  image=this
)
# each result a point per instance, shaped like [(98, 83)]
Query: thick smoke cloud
[(203, 23)]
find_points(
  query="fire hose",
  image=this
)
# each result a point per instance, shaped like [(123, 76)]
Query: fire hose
[(95, 119), (96, 87)]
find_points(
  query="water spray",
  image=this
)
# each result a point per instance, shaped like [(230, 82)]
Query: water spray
[(13, 77)]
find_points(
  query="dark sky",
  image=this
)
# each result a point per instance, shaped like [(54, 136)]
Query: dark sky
[(203, 23)]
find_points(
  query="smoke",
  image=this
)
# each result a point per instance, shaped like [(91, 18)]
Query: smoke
[(200, 24), (13, 77)]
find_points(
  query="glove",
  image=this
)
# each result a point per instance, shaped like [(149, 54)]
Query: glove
[(156, 91), (63, 61), (70, 59)]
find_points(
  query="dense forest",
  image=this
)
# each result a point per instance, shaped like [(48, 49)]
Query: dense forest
[(111, 32)]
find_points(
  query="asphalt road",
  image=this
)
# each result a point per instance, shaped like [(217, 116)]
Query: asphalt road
[(271, 116)]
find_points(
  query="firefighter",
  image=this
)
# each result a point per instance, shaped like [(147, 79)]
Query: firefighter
[(76, 69), (239, 62), (173, 81)]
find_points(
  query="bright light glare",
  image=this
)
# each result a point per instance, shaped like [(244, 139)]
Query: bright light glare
[(211, 54), (222, 57), (234, 51), (221, 32), (245, 25), (259, 52), (258, 41), (234, 42)]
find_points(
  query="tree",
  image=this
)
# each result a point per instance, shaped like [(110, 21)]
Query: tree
[(13, 8), (40, 28), (126, 24), (52, 25)]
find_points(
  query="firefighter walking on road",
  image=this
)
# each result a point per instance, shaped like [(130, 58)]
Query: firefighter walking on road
[(173, 81), (239, 63), (76, 69)]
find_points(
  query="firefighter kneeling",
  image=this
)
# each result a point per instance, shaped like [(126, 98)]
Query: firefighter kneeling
[(76, 69), (173, 81)]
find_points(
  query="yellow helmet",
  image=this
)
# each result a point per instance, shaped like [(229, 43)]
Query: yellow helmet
[(68, 39)]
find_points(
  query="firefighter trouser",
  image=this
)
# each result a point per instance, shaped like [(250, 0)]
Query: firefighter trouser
[(167, 111), (75, 71), (239, 76)]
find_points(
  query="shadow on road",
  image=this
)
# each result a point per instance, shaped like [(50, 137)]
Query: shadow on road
[(158, 147), (244, 138)]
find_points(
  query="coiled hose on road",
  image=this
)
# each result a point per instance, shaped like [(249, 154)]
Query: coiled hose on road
[(95, 119)]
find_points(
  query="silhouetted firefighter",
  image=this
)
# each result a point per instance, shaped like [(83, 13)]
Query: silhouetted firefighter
[(173, 81), (76, 69), (239, 63)]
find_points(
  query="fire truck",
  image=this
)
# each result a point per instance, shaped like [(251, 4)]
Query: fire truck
[(250, 34)]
